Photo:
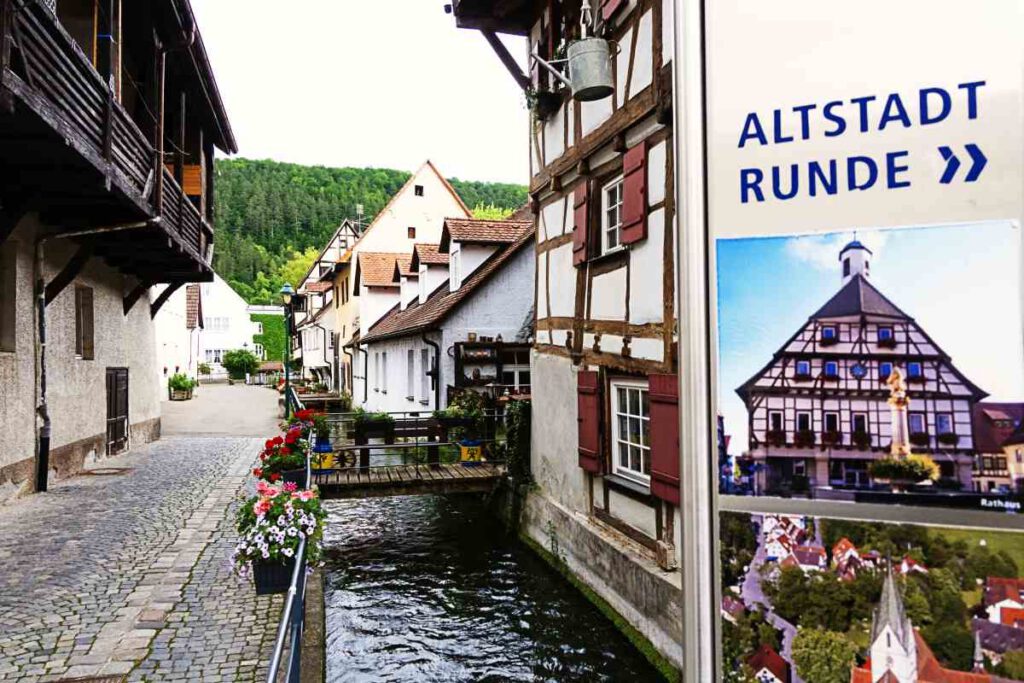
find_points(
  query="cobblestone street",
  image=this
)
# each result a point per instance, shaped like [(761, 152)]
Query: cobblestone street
[(129, 574)]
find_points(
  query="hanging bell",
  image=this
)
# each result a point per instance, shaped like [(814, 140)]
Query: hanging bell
[(590, 69)]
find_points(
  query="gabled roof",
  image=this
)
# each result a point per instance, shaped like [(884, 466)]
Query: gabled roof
[(376, 269), (989, 435), (403, 268), (859, 297), (480, 231), (426, 315), (193, 307), (767, 658), (998, 589), (318, 287), (427, 254)]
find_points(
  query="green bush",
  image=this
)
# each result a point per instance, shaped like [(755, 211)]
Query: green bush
[(239, 363), (180, 382), (912, 468), (204, 369)]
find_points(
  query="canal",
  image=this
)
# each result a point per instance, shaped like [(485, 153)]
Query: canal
[(432, 588)]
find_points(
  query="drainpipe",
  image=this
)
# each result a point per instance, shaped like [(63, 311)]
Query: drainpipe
[(351, 361), (42, 408), (435, 372)]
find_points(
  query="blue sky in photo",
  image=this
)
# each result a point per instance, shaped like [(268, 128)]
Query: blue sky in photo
[(961, 283)]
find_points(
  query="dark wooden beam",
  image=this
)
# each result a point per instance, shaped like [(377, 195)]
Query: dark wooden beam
[(507, 59), (11, 214), (164, 296), (70, 272), (136, 294)]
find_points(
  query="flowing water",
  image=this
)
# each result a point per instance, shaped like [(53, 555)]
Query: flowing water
[(432, 588)]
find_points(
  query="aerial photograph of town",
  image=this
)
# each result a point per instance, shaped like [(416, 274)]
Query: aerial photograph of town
[(829, 601), (868, 367)]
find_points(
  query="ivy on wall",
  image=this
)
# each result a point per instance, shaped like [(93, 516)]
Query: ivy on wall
[(273, 337)]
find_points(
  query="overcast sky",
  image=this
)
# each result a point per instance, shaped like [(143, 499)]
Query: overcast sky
[(384, 83)]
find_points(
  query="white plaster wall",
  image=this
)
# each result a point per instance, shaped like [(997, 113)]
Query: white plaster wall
[(643, 61), (76, 388), (553, 219), (473, 256), (554, 442), (374, 303), (430, 279), (609, 296), (646, 266), (562, 281), (409, 290), (177, 347)]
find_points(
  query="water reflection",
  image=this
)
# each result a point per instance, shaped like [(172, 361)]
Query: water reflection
[(432, 589)]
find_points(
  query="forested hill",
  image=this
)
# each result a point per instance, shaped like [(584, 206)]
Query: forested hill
[(272, 217)]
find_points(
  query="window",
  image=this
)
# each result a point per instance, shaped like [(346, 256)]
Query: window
[(829, 333), (885, 334), (410, 375), (631, 430), (846, 267), (84, 348), (330, 340), (831, 422), (455, 270), (8, 297), (215, 324), (418, 190), (859, 371), (884, 370), (515, 369), (259, 351), (376, 371), (424, 378), (384, 372), (803, 422), (944, 423), (860, 423), (775, 418), (411, 231), (832, 369), (259, 328), (803, 368), (915, 371), (213, 355), (611, 215), (917, 423)]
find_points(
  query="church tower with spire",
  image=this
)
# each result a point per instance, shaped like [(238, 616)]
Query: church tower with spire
[(893, 646), (856, 260)]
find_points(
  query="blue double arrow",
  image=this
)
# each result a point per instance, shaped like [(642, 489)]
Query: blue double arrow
[(978, 162)]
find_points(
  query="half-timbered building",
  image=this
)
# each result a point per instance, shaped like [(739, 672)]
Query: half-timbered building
[(604, 386), (818, 411), (109, 116)]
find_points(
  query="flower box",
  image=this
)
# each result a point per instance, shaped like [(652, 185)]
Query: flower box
[(828, 341), (271, 578), (802, 377), (831, 438), (181, 395), (776, 437), (297, 477), (889, 343), (804, 438), (862, 440), (949, 439), (919, 439)]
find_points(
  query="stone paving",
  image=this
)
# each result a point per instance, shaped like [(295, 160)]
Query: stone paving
[(130, 575)]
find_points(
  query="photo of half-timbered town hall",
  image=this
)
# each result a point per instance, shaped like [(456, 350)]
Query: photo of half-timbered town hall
[(818, 411)]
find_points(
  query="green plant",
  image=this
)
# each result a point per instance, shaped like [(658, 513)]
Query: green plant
[(181, 382), (949, 439), (273, 336), (776, 437), (912, 468), (862, 439), (272, 523), (204, 369), (364, 417), (804, 438), (518, 417), (470, 406), (240, 363), (919, 438), (345, 402), (282, 454)]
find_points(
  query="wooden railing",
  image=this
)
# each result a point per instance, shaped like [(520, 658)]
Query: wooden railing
[(59, 82)]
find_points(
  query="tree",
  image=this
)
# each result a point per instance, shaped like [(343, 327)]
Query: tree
[(492, 212), (823, 656), (1012, 665), (240, 363), (952, 644)]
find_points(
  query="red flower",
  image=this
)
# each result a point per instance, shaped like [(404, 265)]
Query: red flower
[(274, 476), (278, 441), (285, 450), (257, 472), (269, 444), (291, 437)]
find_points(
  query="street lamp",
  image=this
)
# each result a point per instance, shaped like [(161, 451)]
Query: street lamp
[(286, 297)]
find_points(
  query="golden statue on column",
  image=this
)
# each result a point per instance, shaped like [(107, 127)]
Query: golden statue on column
[(899, 403)]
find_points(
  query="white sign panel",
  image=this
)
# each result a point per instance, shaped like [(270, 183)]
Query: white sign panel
[(827, 116)]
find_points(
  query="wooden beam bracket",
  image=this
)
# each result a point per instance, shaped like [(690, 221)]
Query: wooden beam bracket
[(507, 59), (136, 294), (164, 296), (69, 273)]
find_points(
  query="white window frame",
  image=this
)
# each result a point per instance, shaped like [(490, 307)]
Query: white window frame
[(259, 327), (410, 375), (607, 227), (260, 351), (619, 439), (424, 379), (376, 371), (938, 425), (455, 270), (924, 423)]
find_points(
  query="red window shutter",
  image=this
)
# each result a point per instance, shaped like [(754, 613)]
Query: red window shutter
[(610, 7), (588, 393), (579, 228), (634, 195), (664, 397)]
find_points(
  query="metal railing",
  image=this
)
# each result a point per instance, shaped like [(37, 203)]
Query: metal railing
[(292, 624)]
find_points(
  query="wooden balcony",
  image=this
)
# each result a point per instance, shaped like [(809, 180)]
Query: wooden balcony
[(502, 16), (72, 151)]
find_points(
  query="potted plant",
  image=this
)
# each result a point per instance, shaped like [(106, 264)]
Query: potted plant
[(452, 416), (375, 425), (804, 438), (949, 439), (861, 439), (776, 437), (283, 459), (919, 439), (900, 472), (271, 525), (180, 387), (831, 438), (544, 103)]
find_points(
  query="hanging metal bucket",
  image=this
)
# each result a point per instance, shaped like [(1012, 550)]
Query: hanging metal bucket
[(590, 69)]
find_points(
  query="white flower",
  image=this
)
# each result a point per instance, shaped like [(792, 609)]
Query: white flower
[(288, 552), (265, 555)]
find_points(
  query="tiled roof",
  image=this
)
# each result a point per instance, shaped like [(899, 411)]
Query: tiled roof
[(377, 269), (272, 366), (998, 589), (480, 231), (428, 314), (767, 658), (318, 287), (428, 254), (193, 307), (403, 268), (858, 296), (998, 638), (990, 437)]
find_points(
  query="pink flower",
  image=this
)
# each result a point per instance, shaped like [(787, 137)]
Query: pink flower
[(304, 495), (262, 506), (291, 486)]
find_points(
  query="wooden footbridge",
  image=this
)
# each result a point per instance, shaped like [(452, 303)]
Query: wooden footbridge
[(408, 480)]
